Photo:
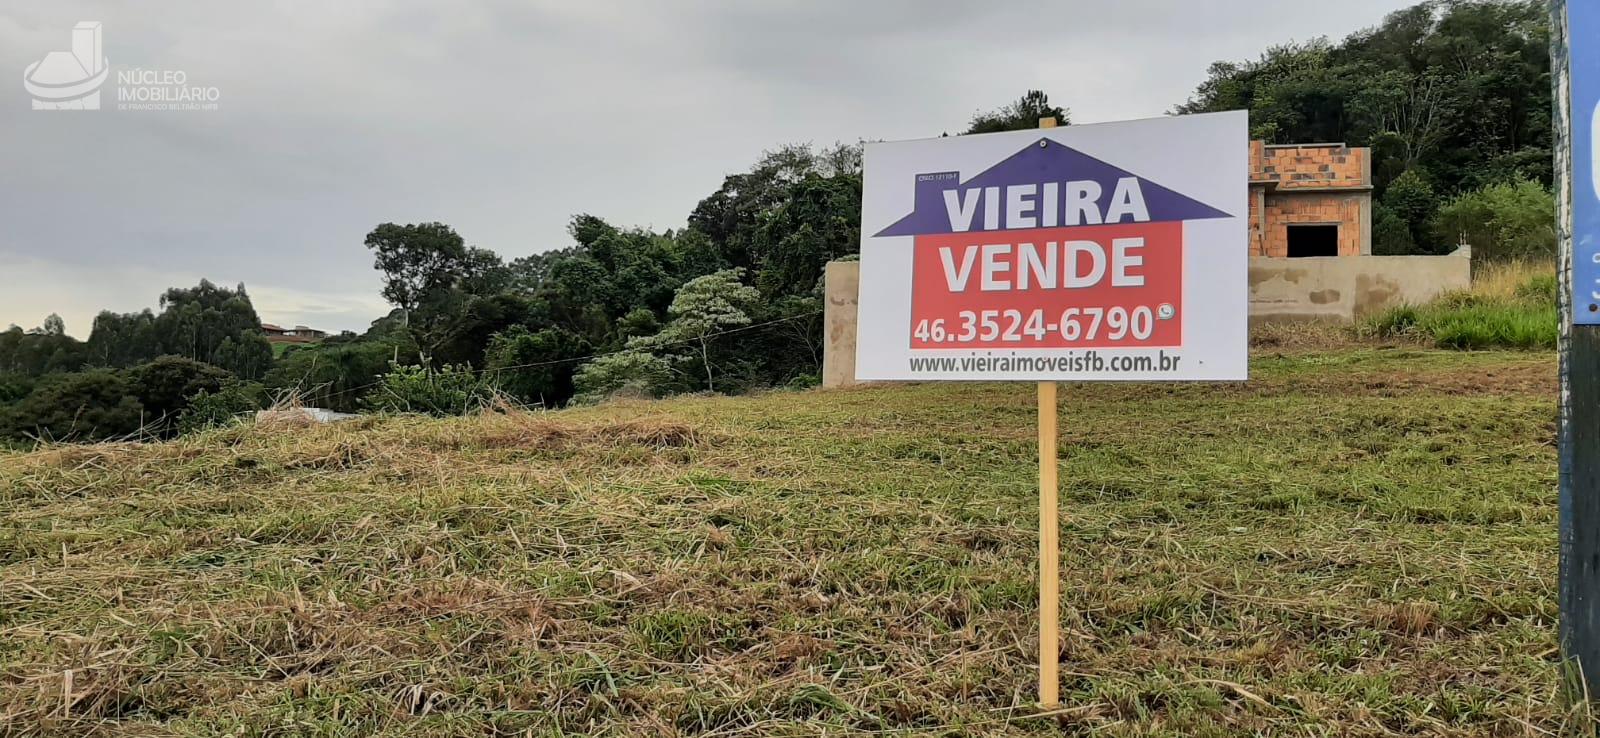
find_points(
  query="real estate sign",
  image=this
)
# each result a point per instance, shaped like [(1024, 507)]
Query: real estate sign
[(1583, 29), (1114, 251)]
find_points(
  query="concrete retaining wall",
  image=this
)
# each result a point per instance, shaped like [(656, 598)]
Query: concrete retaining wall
[(1346, 288), (1335, 288)]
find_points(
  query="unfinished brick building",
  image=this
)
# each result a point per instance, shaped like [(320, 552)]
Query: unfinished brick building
[(1310, 200)]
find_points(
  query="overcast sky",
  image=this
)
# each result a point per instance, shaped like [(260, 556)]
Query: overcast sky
[(505, 118)]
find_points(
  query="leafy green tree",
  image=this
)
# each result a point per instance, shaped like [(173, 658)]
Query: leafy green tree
[(643, 272), (123, 339), (638, 322), (615, 288), (579, 281), (1458, 89), (1288, 92), (733, 217), (819, 221), (193, 322), (697, 255), (1391, 235), (247, 355), (613, 285), (37, 353), (54, 326), (430, 272), (1022, 114), (703, 308), (482, 319), (1412, 199), (792, 347), (618, 268), (587, 230), (206, 323), (417, 261)]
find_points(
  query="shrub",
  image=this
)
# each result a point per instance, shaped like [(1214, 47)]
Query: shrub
[(14, 387), (804, 381), (333, 375), (82, 406), (1502, 221), (165, 385), (529, 365), (448, 390), (1542, 288), (629, 372), (214, 408)]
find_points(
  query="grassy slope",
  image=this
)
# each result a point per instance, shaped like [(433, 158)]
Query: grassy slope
[(1353, 544)]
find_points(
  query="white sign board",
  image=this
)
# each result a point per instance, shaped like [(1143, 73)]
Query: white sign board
[(1114, 251)]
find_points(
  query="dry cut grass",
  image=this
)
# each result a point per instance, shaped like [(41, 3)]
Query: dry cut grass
[(1357, 543), (1509, 279)]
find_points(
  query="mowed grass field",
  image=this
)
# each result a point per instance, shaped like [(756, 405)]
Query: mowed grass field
[(1355, 543)]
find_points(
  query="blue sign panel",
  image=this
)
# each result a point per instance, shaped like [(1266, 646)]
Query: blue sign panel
[(1583, 33)]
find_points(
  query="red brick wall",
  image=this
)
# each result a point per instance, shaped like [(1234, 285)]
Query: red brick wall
[(1309, 166), (1333, 208), (1256, 198)]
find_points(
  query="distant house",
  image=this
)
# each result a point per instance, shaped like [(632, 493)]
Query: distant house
[(297, 334)]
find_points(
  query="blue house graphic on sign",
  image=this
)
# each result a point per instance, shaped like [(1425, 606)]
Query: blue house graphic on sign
[(1054, 170)]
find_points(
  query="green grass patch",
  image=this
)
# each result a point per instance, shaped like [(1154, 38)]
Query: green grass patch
[(1522, 315), (1358, 542)]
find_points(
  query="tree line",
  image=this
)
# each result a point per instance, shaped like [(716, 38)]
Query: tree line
[(1452, 97)]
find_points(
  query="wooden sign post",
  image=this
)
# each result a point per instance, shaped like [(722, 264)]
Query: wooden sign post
[(1049, 542), (1049, 553)]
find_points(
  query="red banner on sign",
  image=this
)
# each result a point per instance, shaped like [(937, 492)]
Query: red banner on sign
[(1081, 287)]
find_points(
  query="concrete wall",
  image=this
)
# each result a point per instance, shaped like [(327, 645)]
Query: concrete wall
[(1335, 288), (1346, 288)]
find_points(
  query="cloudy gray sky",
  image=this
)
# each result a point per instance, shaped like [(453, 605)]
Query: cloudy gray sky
[(503, 118)]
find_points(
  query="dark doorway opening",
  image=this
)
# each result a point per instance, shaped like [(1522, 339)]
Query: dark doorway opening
[(1313, 240)]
